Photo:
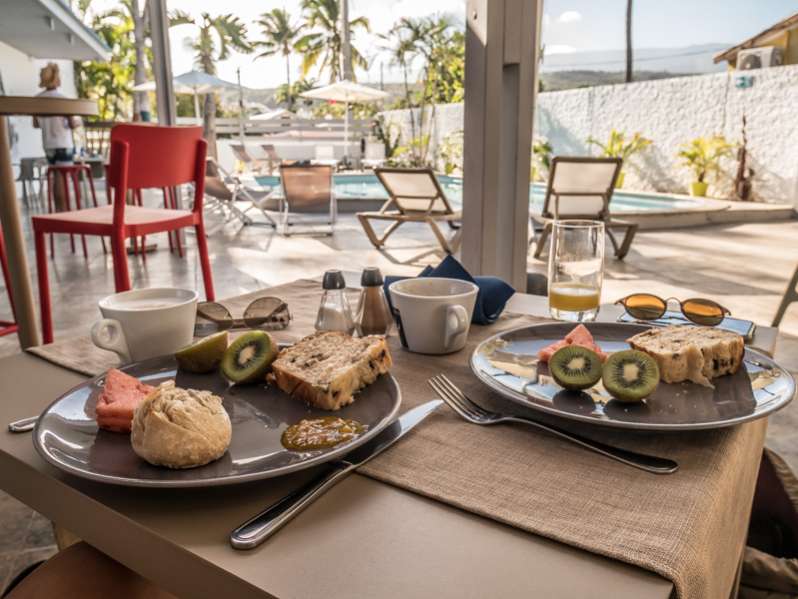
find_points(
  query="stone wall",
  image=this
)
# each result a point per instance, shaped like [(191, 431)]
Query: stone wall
[(672, 112)]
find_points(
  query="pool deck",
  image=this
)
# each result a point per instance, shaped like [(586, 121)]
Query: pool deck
[(691, 212)]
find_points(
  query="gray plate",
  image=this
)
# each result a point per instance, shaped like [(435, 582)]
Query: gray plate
[(507, 363), (67, 436)]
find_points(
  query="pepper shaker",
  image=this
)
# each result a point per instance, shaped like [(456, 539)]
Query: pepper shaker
[(334, 311), (373, 314)]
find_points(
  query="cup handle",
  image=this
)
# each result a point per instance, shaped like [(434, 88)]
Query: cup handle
[(107, 334), (456, 323)]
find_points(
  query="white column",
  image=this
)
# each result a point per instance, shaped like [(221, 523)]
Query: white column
[(502, 37), (162, 63)]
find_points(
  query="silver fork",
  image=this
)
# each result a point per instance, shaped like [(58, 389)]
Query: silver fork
[(475, 414)]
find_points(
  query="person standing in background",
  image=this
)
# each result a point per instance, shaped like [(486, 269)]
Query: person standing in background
[(59, 147)]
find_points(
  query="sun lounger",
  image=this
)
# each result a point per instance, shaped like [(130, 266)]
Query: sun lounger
[(581, 188), (308, 197), (415, 195)]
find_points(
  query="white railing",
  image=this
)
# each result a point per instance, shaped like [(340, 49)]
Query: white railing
[(295, 128)]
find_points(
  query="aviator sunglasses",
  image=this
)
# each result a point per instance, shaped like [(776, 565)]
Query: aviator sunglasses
[(270, 313), (645, 306)]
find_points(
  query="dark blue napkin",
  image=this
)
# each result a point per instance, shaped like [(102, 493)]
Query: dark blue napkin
[(493, 292)]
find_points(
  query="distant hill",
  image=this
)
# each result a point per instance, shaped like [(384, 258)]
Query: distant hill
[(559, 80), (685, 60)]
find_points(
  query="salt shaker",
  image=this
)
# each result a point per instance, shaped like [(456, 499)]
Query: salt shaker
[(334, 311), (373, 314)]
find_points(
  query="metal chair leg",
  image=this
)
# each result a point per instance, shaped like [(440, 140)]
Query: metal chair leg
[(790, 296)]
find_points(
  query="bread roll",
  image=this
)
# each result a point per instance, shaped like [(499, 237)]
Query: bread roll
[(180, 428)]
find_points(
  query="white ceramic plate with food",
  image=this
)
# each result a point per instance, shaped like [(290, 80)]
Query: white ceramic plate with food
[(508, 363), (67, 435)]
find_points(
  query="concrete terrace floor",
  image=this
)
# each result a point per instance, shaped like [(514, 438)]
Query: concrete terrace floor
[(745, 267)]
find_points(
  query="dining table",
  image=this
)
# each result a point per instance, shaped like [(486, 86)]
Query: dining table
[(366, 537)]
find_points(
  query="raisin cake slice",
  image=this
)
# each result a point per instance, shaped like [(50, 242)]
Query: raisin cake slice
[(326, 369), (688, 353)]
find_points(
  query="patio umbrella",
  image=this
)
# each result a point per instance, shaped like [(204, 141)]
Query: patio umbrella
[(347, 92), (192, 82)]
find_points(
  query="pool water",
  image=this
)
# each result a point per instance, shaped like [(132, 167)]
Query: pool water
[(368, 187)]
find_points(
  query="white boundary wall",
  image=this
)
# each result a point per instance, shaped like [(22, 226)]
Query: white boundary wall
[(672, 112)]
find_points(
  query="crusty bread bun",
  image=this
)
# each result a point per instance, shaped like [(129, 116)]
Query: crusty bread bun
[(327, 369), (180, 428), (688, 353)]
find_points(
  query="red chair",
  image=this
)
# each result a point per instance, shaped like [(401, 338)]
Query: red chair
[(69, 173), (142, 157)]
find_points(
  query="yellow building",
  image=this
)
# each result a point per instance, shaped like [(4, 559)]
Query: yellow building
[(774, 46)]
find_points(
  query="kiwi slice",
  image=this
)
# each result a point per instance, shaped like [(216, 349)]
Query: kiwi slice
[(630, 375), (249, 357), (575, 367), (203, 356)]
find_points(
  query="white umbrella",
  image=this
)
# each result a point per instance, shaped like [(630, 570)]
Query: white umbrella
[(192, 82), (347, 92)]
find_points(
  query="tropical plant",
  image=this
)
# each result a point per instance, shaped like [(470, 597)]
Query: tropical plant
[(290, 95), (323, 45), (541, 157), (279, 37), (108, 82), (450, 153), (388, 133), (440, 80), (617, 146), (703, 155), (217, 36)]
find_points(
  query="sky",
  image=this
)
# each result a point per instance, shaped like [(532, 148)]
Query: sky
[(568, 26)]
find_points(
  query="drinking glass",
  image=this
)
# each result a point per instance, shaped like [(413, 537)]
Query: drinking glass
[(576, 269)]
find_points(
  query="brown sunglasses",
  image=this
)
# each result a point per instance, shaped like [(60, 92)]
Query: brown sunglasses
[(270, 313), (645, 306)]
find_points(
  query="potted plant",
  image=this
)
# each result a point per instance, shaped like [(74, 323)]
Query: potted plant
[(617, 146), (702, 155)]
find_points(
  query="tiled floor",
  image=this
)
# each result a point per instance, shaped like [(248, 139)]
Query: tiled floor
[(745, 267)]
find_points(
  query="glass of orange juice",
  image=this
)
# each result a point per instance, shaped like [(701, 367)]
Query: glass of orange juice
[(576, 269)]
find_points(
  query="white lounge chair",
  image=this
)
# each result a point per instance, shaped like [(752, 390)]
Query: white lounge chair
[(581, 187), (308, 197), (415, 195), (223, 190)]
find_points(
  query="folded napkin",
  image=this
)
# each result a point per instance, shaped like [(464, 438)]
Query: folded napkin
[(493, 292)]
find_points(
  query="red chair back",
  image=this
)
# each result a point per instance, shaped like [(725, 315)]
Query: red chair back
[(146, 156)]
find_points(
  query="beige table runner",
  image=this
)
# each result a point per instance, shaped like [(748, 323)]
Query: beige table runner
[(688, 527)]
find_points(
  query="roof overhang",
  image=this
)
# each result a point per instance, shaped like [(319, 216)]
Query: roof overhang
[(49, 29), (759, 39)]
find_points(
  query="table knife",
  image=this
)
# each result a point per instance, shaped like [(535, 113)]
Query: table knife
[(256, 530)]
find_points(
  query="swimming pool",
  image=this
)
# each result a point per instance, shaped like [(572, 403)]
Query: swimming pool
[(359, 187)]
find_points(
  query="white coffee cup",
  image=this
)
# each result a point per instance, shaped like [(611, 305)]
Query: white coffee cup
[(144, 323), (433, 314)]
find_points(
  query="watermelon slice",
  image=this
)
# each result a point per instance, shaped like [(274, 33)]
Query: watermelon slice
[(120, 396), (578, 336)]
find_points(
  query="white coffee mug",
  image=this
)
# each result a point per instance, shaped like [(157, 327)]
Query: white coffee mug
[(433, 314), (144, 323)]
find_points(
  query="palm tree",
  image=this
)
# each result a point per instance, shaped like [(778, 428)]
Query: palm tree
[(324, 45), (138, 15), (408, 40), (217, 37), (629, 41), (280, 37)]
